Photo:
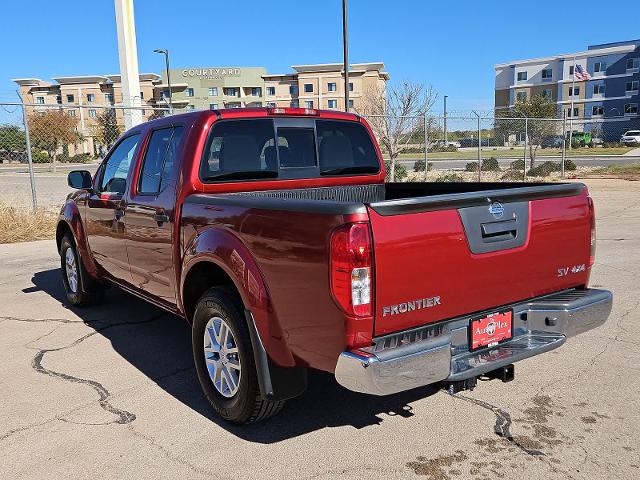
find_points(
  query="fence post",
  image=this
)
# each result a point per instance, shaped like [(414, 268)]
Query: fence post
[(426, 147), (526, 138), (479, 146), (29, 159), (564, 140)]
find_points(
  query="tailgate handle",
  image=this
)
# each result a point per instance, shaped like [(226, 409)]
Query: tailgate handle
[(499, 231)]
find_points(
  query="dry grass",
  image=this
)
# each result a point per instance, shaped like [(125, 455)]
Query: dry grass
[(22, 224)]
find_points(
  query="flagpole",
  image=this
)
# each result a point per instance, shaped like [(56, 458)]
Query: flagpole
[(573, 91)]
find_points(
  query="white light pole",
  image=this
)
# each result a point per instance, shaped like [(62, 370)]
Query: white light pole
[(128, 53), (166, 62)]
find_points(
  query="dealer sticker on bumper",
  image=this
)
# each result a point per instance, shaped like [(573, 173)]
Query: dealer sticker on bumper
[(490, 330)]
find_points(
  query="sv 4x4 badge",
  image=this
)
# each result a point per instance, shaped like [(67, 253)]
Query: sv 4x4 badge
[(564, 271)]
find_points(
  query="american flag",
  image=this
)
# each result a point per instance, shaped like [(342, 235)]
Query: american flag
[(580, 73)]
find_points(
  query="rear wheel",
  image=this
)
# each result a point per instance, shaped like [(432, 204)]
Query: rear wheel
[(78, 286), (224, 360)]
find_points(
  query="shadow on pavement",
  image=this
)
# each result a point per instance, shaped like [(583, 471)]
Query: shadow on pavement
[(159, 345)]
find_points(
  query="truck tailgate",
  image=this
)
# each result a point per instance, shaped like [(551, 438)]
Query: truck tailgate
[(441, 258)]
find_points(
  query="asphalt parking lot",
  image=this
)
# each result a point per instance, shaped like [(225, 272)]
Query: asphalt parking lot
[(110, 392)]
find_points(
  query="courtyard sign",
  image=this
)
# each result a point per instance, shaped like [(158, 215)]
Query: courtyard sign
[(211, 73)]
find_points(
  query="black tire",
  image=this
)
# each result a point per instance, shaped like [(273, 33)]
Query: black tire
[(87, 291), (247, 404)]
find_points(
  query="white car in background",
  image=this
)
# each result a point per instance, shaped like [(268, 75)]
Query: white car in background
[(631, 137)]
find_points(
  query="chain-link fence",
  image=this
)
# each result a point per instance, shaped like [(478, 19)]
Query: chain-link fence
[(498, 148), (428, 147)]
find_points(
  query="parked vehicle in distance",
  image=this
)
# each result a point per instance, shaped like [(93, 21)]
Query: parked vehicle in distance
[(442, 144), (552, 141), (583, 139), (631, 137), (272, 232)]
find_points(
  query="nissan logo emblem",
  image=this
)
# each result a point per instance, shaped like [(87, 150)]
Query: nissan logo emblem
[(496, 209)]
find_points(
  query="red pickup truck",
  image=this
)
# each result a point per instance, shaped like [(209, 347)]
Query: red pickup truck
[(273, 233)]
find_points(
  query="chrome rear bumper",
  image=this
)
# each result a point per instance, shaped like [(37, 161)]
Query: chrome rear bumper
[(439, 352)]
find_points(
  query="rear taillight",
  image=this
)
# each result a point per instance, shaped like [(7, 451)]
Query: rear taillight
[(351, 269), (292, 111), (592, 216)]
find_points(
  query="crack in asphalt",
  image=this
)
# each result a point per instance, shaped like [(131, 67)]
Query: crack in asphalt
[(47, 320), (123, 417), (502, 427)]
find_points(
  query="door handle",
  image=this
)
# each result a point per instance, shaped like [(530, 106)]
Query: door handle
[(161, 217)]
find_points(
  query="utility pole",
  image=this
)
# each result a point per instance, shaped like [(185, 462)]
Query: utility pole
[(445, 120), (573, 89), (345, 54), (128, 53), (166, 62)]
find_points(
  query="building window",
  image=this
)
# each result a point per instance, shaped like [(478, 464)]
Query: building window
[(350, 104), (92, 113), (631, 109), (571, 70), (633, 63), (213, 91), (256, 91), (271, 91), (294, 104), (188, 92), (191, 107), (575, 112), (164, 94), (40, 100), (230, 92), (547, 74), (293, 89), (351, 86), (598, 89), (59, 99), (308, 88), (522, 76), (233, 105), (332, 104), (213, 106), (521, 96), (91, 97), (71, 113), (599, 67), (70, 98), (597, 110), (271, 104), (108, 97), (141, 95), (308, 104), (631, 86), (547, 93), (574, 91), (331, 86)]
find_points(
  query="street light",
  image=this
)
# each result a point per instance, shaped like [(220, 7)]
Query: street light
[(166, 61), (445, 120), (345, 54)]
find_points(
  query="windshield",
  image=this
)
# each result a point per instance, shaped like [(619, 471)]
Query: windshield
[(287, 148)]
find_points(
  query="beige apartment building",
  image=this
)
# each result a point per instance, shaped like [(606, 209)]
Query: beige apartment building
[(200, 88)]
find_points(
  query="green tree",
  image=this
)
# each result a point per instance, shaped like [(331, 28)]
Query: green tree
[(541, 113), (12, 141), (51, 131), (106, 130)]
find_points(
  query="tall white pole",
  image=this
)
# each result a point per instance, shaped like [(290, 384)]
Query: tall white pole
[(128, 52), (573, 90)]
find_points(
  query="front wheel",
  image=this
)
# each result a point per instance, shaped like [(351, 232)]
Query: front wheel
[(80, 289), (224, 360)]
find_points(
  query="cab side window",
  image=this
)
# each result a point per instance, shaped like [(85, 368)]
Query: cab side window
[(116, 168), (159, 159)]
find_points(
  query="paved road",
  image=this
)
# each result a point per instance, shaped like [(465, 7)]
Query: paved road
[(110, 392), (591, 161)]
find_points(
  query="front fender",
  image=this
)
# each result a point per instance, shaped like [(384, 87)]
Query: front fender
[(70, 215), (227, 251)]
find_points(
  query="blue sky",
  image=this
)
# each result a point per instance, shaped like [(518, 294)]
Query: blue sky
[(450, 45)]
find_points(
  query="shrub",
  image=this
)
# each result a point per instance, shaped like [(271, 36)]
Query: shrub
[(490, 165), (450, 177), (471, 167), (517, 164), (80, 158), (38, 156), (401, 171), (544, 169), (419, 166), (512, 175), (569, 164), (21, 224)]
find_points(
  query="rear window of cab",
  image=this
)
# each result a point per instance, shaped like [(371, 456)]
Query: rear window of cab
[(286, 148)]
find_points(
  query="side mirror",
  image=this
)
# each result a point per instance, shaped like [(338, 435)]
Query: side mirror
[(80, 180)]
